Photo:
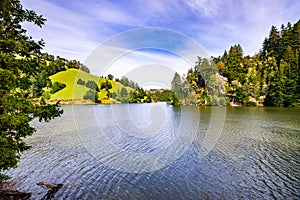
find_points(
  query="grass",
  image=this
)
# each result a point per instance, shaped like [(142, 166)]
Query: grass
[(74, 91)]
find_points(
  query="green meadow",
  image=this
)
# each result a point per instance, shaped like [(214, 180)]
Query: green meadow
[(74, 91)]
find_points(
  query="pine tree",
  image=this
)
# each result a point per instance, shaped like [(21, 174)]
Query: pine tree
[(177, 86), (234, 64)]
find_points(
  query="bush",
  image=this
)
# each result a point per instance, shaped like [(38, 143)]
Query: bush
[(91, 95), (106, 85), (93, 85), (56, 87), (80, 82)]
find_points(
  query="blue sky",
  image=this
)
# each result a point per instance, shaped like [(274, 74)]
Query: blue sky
[(74, 28)]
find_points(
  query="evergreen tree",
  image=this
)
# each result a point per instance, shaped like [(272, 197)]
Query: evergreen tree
[(21, 62), (234, 64), (272, 43), (177, 86)]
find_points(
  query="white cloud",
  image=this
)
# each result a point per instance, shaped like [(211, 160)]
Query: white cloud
[(73, 30), (149, 67), (205, 8), (109, 13), (246, 23), (65, 33), (129, 61)]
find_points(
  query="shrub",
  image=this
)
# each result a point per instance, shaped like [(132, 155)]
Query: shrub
[(80, 82), (56, 87)]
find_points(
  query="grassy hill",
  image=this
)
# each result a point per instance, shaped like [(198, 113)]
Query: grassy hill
[(74, 91)]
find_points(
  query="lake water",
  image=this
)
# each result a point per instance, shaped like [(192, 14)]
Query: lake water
[(156, 151)]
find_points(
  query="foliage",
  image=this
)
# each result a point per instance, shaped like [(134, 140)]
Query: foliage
[(270, 77), (162, 95), (91, 95), (80, 82), (40, 81), (137, 96), (234, 67), (56, 87), (110, 77), (92, 85), (126, 82), (76, 65), (176, 85), (21, 65), (202, 85), (106, 85), (122, 95)]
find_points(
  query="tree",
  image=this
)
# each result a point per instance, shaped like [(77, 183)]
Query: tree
[(200, 81), (21, 63), (177, 85), (234, 64), (91, 95), (92, 85), (84, 68), (106, 85), (272, 43), (252, 84), (275, 95), (39, 83), (57, 86), (191, 79), (80, 82), (123, 92), (204, 68), (121, 95), (110, 76), (220, 66), (139, 96)]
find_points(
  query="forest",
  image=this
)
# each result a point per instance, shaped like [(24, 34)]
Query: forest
[(269, 78)]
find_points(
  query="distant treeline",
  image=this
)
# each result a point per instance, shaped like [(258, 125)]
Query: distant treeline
[(270, 78), (57, 64)]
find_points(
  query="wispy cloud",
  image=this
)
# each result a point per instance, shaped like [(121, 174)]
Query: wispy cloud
[(75, 28), (108, 13), (148, 67), (246, 23), (66, 33), (145, 46), (205, 8)]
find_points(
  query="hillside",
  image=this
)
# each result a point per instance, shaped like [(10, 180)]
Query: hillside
[(75, 91)]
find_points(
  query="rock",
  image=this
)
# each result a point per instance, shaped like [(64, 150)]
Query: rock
[(51, 187), (14, 195)]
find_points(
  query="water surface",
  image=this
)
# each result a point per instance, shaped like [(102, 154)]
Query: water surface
[(156, 151)]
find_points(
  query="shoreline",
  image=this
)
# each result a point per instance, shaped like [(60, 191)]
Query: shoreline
[(105, 102)]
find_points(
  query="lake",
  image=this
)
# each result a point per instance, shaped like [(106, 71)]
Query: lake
[(156, 151)]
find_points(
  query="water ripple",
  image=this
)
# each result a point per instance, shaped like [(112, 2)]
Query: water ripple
[(257, 157)]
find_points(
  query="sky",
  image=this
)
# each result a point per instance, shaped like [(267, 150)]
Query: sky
[(75, 28)]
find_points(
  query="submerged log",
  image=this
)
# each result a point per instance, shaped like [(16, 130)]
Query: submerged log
[(51, 187), (14, 195)]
